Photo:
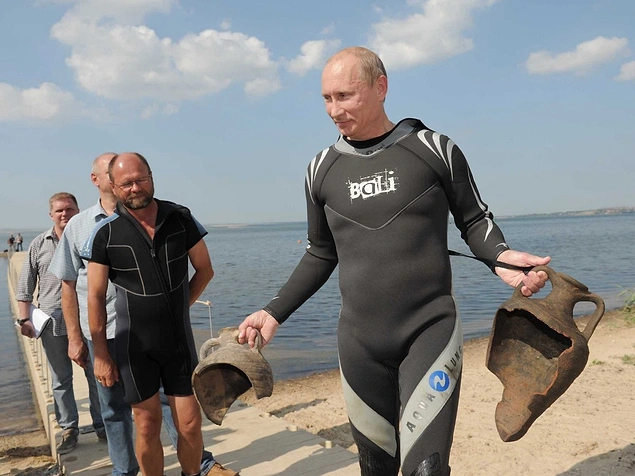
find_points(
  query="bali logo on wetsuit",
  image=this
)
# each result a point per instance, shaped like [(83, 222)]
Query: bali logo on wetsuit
[(373, 185)]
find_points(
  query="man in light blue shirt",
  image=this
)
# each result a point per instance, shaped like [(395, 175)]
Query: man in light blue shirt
[(71, 269)]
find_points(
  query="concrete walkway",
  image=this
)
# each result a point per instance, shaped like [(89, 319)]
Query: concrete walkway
[(249, 441)]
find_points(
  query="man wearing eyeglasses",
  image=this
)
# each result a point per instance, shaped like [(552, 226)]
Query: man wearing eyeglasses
[(68, 266), (145, 249)]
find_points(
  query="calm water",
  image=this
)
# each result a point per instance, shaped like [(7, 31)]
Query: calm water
[(252, 262), (17, 411)]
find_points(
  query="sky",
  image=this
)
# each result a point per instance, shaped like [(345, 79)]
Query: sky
[(224, 100)]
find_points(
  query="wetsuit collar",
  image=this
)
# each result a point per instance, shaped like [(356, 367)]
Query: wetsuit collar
[(369, 147), (164, 210)]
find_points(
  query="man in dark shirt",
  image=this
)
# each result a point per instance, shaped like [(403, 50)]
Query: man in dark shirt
[(145, 249), (378, 203)]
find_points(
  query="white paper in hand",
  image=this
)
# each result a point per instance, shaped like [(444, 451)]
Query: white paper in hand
[(40, 320)]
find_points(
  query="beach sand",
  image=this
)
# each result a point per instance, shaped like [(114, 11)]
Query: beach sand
[(26, 454), (589, 431)]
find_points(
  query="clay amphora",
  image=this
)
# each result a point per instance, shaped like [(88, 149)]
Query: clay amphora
[(226, 370), (536, 350)]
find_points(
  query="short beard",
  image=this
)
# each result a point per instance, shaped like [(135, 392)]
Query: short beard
[(138, 202)]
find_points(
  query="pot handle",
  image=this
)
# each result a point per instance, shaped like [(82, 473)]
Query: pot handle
[(558, 279), (552, 275), (594, 320), (258, 346), (208, 347)]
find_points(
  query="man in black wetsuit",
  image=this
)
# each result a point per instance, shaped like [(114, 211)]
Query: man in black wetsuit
[(145, 248), (378, 203)]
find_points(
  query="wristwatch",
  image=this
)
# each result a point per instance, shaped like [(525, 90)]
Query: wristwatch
[(20, 322)]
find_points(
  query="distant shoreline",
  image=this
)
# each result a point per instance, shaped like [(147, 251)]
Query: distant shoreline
[(579, 213), (574, 213)]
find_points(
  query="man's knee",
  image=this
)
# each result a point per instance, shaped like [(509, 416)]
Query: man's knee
[(147, 426), (191, 424), (188, 418), (147, 418), (374, 462), (432, 466)]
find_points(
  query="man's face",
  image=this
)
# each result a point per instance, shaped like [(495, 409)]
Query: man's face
[(133, 185), (355, 106), (100, 177), (62, 211)]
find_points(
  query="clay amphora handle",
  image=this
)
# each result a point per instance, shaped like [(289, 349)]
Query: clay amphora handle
[(208, 347), (594, 320), (258, 347), (210, 344), (551, 274), (583, 295)]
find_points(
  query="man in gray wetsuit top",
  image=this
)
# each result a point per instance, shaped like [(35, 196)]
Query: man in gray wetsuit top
[(377, 203)]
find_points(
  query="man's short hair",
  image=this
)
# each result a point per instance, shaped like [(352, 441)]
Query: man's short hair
[(370, 65), (62, 196), (95, 167)]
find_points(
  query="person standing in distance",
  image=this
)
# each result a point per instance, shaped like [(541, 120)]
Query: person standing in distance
[(18, 242), (35, 273), (144, 249), (378, 202)]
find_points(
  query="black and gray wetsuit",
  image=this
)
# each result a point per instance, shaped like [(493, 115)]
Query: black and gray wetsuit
[(380, 208), (154, 344)]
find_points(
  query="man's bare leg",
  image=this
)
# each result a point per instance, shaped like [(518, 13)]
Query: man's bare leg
[(147, 418), (186, 414)]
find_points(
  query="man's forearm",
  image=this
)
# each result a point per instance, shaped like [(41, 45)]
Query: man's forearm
[(97, 324), (24, 309), (70, 309), (198, 283), (309, 275)]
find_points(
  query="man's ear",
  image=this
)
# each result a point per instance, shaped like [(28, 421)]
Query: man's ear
[(381, 87)]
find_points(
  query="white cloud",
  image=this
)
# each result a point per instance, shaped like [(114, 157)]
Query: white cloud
[(261, 86), (126, 61), (150, 111), (328, 29), (313, 55), (162, 109), (121, 11), (586, 56), (47, 102), (627, 72), (225, 24), (426, 37)]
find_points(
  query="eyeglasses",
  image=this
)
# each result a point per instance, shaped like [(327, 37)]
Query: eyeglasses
[(127, 186)]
